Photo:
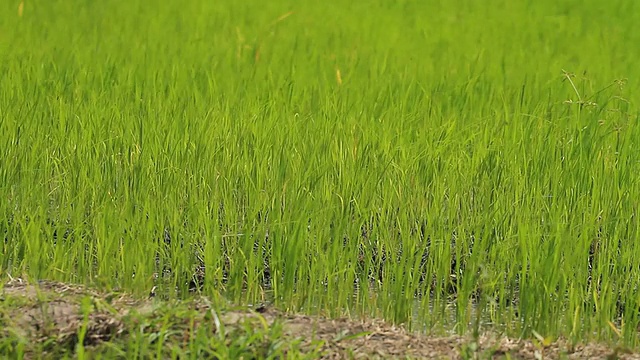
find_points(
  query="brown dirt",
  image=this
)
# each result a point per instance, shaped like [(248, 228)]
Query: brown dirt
[(47, 309)]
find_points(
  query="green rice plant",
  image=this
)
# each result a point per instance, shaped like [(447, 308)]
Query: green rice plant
[(427, 162)]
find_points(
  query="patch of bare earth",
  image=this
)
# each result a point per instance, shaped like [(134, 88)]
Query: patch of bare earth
[(51, 310)]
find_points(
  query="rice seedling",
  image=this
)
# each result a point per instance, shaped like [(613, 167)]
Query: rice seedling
[(451, 166)]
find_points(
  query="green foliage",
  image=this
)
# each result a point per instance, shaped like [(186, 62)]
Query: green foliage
[(386, 158)]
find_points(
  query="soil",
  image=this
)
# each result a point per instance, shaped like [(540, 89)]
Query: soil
[(37, 311)]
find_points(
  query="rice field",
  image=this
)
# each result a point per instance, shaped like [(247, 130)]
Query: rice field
[(453, 166)]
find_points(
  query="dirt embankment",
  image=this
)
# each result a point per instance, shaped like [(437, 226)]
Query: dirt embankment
[(55, 312)]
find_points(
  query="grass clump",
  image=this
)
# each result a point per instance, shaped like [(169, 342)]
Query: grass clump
[(57, 320)]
